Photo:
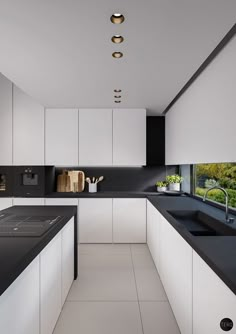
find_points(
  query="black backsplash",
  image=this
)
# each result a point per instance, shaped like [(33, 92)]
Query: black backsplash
[(125, 178)]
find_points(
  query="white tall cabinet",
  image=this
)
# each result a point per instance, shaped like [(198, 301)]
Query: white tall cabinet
[(61, 137), (19, 304), (129, 220), (5, 121), (129, 137), (28, 130), (213, 301), (95, 137)]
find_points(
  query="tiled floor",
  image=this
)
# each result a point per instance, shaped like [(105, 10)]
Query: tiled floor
[(118, 292)]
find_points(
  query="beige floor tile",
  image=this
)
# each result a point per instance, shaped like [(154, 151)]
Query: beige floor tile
[(104, 278), (99, 318), (157, 318), (139, 249), (106, 249)]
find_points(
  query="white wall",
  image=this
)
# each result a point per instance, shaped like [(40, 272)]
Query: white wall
[(201, 125)]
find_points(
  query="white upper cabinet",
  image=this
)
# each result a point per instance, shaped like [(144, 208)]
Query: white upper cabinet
[(61, 137), (28, 130), (95, 137), (129, 137), (5, 121)]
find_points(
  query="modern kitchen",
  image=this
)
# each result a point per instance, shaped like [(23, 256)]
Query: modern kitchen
[(117, 167)]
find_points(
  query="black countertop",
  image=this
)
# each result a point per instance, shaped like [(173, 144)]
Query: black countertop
[(16, 253), (219, 252), (103, 194)]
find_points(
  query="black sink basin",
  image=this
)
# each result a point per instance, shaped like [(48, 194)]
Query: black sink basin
[(199, 223)]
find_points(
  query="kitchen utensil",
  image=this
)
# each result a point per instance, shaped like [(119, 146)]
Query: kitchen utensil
[(88, 180), (99, 179), (93, 180), (81, 183)]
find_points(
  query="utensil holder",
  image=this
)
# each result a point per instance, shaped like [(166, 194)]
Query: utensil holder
[(92, 187)]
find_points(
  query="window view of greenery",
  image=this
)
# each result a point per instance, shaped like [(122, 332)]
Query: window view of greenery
[(223, 175)]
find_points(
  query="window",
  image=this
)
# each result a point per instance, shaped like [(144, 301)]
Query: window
[(220, 174)]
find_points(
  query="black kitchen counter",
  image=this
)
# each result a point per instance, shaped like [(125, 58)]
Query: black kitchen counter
[(103, 194), (16, 253), (219, 252)]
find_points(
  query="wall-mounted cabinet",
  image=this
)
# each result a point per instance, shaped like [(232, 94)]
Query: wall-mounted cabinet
[(95, 137), (5, 121), (28, 130), (61, 137), (129, 137)]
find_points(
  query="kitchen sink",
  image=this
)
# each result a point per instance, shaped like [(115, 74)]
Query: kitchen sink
[(198, 223)]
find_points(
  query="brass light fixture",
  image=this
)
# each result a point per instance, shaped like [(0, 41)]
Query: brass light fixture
[(117, 39), (117, 90), (117, 101), (117, 54), (117, 96), (117, 18)]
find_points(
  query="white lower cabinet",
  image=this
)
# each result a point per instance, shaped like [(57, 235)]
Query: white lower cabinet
[(5, 202), (67, 258), (28, 201), (153, 233), (19, 304), (50, 285), (213, 301), (176, 275), (95, 220), (129, 220), (63, 201)]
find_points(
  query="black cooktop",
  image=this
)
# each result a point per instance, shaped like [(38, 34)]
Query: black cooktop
[(26, 226)]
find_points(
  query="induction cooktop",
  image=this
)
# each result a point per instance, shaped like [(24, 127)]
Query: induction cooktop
[(26, 226)]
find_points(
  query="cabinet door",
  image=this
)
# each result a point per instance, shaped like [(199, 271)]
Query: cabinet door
[(212, 300), (67, 244), (153, 233), (64, 201), (50, 290), (95, 220), (28, 134), (129, 137), (28, 201), (176, 275), (95, 137), (5, 121), (19, 304), (5, 202), (61, 137), (129, 220)]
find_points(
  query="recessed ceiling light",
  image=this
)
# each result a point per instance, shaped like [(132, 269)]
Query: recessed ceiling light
[(117, 39), (117, 90), (117, 18), (117, 54), (117, 101), (117, 96)]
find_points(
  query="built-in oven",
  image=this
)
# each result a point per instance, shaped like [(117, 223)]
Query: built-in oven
[(6, 181), (33, 181)]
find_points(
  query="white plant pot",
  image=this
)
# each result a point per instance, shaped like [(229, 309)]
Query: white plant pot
[(174, 186), (161, 189), (92, 187)]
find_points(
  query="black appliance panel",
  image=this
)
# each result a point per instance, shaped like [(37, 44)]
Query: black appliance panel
[(6, 181), (29, 181)]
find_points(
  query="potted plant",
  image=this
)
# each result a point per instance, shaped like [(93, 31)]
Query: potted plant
[(174, 182), (161, 186)]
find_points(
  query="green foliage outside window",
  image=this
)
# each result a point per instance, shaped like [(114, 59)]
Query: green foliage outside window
[(223, 175)]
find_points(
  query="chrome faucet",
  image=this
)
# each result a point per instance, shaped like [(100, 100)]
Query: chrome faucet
[(227, 219)]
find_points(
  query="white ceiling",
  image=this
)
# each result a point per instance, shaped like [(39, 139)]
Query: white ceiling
[(59, 52)]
